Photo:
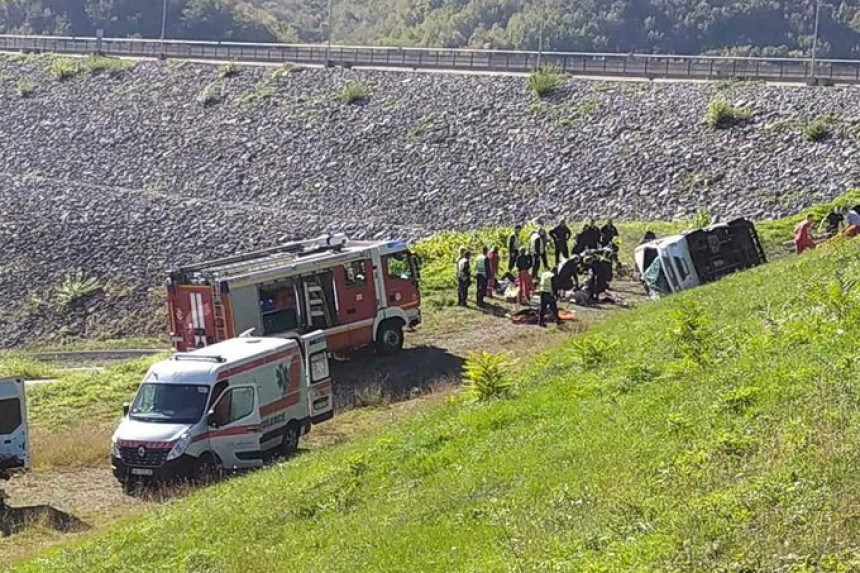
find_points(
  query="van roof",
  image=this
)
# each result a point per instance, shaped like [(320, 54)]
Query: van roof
[(202, 366)]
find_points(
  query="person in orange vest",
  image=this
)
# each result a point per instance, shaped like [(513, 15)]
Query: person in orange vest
[(803, 234), (493, 259)]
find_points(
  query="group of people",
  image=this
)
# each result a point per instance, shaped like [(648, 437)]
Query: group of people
[(846, 221), (525, 262)]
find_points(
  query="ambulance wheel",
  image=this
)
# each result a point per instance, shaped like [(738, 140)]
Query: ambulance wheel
[(204, 471), (390, 337), (290, 444)]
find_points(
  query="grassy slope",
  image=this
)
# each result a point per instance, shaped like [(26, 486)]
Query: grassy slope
[(717, 428)]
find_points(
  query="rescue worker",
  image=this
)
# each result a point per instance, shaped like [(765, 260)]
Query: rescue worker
[(803, 235), (648, 237), (547, 296), (537, 244), (608, 232), (833, 222), (560, 235), (482, 276), (493, 262), (464, 277), (591, 235), (524, 266), (514, 247)]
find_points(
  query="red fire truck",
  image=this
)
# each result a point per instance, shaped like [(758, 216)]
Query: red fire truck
[(358, 293)]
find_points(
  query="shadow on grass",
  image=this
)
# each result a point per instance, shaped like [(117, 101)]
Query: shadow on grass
[(16, 519)]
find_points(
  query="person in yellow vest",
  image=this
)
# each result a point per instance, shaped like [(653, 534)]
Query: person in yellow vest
[(464, 277), (547, 296)]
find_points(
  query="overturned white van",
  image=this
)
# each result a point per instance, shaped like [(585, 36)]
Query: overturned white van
[(227, 406), (14, 437)]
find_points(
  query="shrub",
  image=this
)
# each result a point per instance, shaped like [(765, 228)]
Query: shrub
[(723, 115), (210, 95), (354, 92), (228, 70), (25, 88), (76, 287), (485, 375), (95, 65), (817, 130), (593, 351), (64, 68), (545, 81), (691, 335), (702, 218)]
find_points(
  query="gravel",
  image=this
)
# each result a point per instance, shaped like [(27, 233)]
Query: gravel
[(124, 176)]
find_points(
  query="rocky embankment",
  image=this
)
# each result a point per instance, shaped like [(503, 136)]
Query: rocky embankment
[(124, 175)]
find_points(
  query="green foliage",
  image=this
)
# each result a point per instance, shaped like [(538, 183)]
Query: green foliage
[(702, 218), (817, 130), (354, 92), (486, 375), (211, 95), (95, 65), (62, 69), (228, 70), (76, 287), (593, 351), (545, 81), (723, 115), (691, 336), (25, 88), (19, 365)]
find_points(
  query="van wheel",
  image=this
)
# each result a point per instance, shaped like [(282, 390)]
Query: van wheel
[(290, 444), (389, 339), (204, 471)]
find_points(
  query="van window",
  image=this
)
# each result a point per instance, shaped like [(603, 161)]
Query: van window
[(241, 403), (355, 274), (682, 268), (10, 415)]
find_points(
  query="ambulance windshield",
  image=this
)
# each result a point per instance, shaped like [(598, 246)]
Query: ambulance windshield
[(169, 403)]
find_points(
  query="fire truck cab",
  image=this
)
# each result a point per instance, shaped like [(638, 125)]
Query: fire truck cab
[(358, 293)]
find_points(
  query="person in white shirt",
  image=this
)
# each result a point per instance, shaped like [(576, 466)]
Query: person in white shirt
[(853, 216)]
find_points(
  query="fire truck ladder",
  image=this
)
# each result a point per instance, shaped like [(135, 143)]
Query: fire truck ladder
[(220, 315), (315, 297)]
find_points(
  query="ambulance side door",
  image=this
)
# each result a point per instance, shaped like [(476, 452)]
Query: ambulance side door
[(235, 428)]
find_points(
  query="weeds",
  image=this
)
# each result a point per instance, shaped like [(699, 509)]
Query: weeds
[(691, 336), (77, 287), (485, 375), (228, 70), (25, 88), (545, 81), (723, 115), (817, 130), (593, 351), (96, 65), (354, 92), (64, 68), (702, 218), (211, 95)]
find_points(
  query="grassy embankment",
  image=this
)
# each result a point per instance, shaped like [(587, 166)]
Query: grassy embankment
[(716, 428)]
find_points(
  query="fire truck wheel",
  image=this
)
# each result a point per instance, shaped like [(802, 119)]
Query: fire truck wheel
[(291, 440), (390, 337)]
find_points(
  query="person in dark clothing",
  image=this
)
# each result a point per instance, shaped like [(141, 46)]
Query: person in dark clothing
[(464, 278), (514, 247), (648, 237), (560, 235), (600, 273), (608, 232), (568, 274), (588, 238), (537, 249), (833, 222)]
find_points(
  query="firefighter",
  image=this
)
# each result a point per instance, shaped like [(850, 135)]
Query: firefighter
[(608, 232), (493, 264), (537, 244), (560, 235), (464, 278), (514, 247), (547, 296), (482, 276), (524, 266)]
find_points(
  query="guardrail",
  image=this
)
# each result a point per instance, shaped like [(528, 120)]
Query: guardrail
[(583, 64)]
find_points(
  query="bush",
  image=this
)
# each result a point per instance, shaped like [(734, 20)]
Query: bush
[(25, 88), (817, 130), (545, 81), (485, 375), (77, 287), (95, 65), (593, 351), (210, 95), (723, 115), (64, 68), (228, 70), (355, 92)]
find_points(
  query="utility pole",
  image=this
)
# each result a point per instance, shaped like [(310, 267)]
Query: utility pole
[(163, 25), (815, 36), (542, 16), (328, 36)]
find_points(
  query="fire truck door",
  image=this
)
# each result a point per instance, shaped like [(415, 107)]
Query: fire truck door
[(356, 297)]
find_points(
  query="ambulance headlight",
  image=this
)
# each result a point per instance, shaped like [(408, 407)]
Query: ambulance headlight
[(114, 449), (179, 447)]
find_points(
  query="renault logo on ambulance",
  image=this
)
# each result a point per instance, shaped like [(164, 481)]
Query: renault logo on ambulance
[(141, 452)]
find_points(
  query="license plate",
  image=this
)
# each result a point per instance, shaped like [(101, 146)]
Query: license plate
[(141, 472)]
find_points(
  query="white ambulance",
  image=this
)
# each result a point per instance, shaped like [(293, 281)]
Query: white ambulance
[(14, 439), (229, 406)]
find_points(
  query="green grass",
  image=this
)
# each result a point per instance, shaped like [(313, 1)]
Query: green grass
[(723, 115), (229, 70), (25, 88), (19, 365), (95, 65), (355, 92), (714, 429), (545, 81)]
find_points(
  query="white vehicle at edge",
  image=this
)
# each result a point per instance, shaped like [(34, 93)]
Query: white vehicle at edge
[(228, 406), (14, 437)]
